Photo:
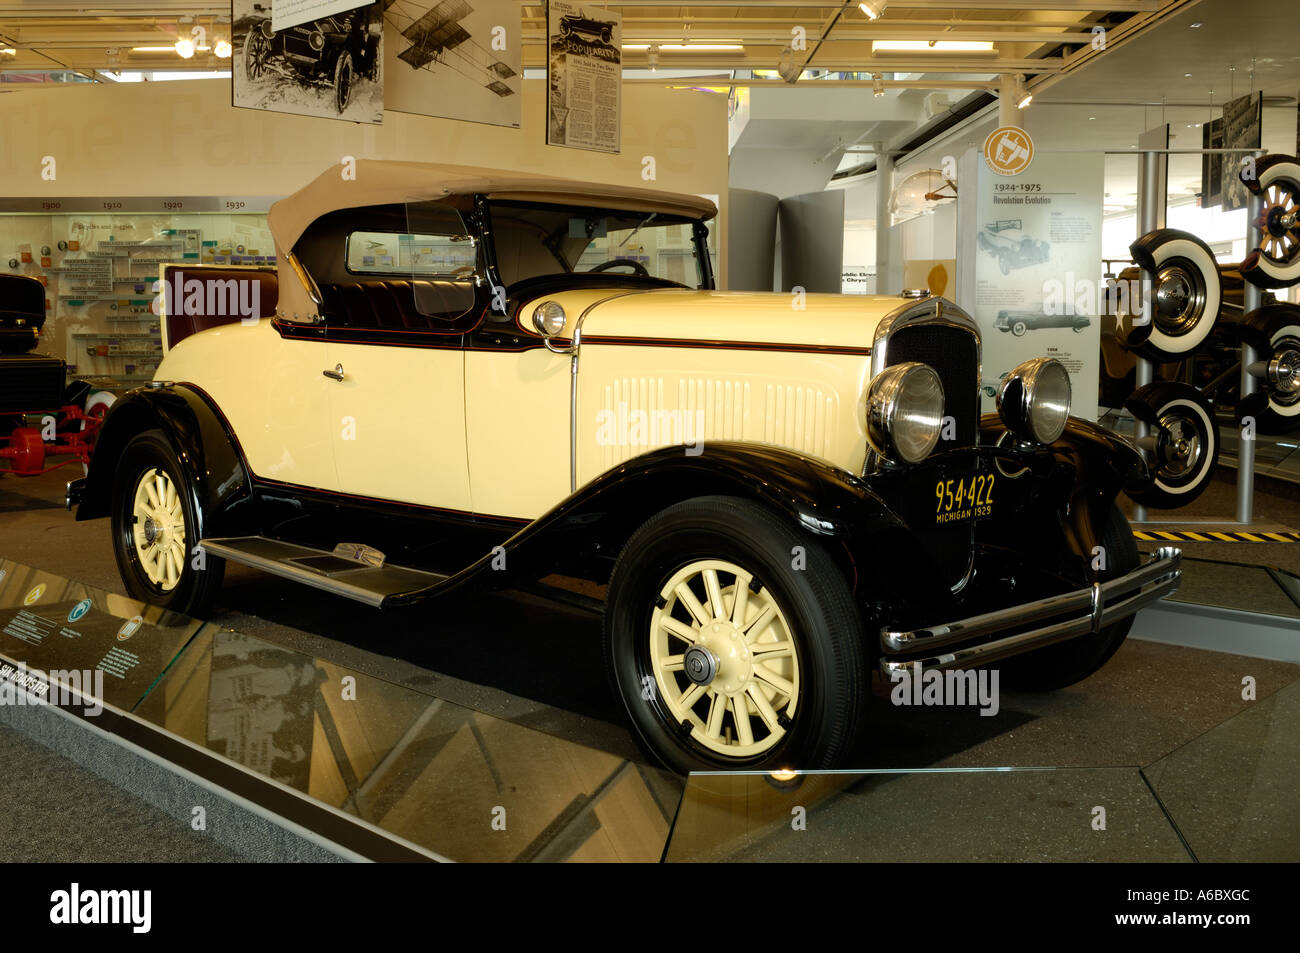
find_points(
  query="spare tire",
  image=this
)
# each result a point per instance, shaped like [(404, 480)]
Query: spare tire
[(1274, 333), (1276, 262)]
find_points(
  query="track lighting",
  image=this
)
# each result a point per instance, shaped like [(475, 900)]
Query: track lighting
[(877, 86), (874, 9), (1023, 96)]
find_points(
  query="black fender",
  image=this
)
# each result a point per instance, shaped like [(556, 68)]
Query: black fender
[(588, 530), (208, 452)]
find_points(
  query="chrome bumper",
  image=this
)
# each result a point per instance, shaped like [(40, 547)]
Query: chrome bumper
[(1081, 612)]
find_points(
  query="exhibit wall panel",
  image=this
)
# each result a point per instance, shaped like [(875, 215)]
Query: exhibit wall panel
[(186, 139)]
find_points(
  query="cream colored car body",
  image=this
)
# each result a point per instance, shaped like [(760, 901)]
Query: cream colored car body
[(493, 432)]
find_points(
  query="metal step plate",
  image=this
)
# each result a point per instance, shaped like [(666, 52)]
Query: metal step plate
[(323, 569)]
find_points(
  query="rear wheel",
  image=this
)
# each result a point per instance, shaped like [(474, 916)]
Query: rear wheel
[(155, 529), (734, 641), (1057, 666), (1019, 329)]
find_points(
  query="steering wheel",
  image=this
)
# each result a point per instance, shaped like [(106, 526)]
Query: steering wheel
[(636, 266)]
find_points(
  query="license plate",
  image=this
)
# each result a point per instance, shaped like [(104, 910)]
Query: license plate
[(961, 499)]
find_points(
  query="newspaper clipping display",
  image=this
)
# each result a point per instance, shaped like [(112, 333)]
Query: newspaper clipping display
[(584, 72)]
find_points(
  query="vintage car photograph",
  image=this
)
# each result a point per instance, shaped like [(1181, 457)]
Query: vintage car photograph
[(1018, 322), (330, 67), (775, 509)]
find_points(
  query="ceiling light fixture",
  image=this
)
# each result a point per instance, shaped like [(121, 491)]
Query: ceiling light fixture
[(874, 9), (709, 47), (653, 58), (1196, 25), (185, 48), (223, 49), (933, 46), (877, 86), (1023, 96), (8, 51)]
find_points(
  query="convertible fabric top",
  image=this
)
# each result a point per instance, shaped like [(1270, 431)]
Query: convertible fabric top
[(383, 182)]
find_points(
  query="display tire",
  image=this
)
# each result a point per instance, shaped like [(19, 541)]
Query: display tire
[(1274, 333), (1277, 178), (194, 588), (1186, 454), (1019, 329), (814, 605), (1056, 666), (1178, 264)]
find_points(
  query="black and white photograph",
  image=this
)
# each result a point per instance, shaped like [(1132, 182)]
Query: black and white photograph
[(1241, 130), (454, 59), (1212, 163), (331, 68)]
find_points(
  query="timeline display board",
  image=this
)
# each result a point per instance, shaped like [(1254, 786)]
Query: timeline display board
[(1032, 275), (584, 69)]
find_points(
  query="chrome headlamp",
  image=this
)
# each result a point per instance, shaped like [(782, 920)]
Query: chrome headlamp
[(903, 412), (1034, 400), (549, 318)]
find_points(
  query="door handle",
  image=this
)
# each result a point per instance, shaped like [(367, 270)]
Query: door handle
[(336, 374)]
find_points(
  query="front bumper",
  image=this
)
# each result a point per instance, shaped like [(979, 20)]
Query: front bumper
[(1071, 614)]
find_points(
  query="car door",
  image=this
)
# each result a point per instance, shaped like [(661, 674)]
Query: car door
[(396, 361)]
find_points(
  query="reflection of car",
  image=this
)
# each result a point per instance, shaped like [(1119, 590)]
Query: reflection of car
[(1019, 251), (778, 507), (596, 29), (1018, 322), (330, 50)]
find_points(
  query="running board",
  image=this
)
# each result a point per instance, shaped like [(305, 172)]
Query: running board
[(354, 572)]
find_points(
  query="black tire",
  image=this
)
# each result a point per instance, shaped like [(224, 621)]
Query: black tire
[(1069, 662), (1277, 178), (1188, 290), (343, 79), (1187, 443), (1019, 329), (1274, 333), (256, 52), (193, 592), (823, 622)]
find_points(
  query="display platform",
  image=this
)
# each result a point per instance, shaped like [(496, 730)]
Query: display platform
[(369, 769)]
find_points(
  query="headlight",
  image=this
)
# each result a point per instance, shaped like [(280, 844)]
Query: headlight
[(317, 41), (904, 412), (1034, 400), (548, 318)]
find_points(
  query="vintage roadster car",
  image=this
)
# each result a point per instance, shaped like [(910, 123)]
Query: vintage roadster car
[(464, 378), (328, 51)]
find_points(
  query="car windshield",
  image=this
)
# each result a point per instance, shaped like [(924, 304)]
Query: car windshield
[(533, 240)]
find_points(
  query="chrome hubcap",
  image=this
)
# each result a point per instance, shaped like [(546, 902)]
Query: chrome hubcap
[(1179, 297)]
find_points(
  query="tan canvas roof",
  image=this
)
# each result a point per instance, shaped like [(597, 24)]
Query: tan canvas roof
[(382, 181)]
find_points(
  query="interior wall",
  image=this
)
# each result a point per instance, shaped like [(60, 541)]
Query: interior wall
[(186, 139)]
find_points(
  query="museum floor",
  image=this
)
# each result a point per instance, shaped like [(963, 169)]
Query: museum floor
[(477, 705)]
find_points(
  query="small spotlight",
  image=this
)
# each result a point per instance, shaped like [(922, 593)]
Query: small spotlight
[(1023, 96), (652, 57), (874, 9), (222, 49), (185, 48), (878, 86)]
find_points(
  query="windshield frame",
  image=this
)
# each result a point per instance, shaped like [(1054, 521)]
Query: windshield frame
[(484, 206)]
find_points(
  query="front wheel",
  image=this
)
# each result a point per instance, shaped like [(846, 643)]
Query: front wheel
[(1019, 329), (734, 641), (155, 529), (343, 81), (1057, 666)]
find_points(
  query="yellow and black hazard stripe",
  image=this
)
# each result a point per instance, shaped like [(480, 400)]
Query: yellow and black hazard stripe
[(1214, 536)]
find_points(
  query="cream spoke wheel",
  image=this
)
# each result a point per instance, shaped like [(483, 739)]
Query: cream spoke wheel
[(158, 530), (724, 659)]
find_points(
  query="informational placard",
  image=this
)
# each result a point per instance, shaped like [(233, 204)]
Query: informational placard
[(1032, 278), (287, 13), (454, 59), (584, 69), (56, 634)]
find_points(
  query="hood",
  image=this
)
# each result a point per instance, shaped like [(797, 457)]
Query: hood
[(818, 320)]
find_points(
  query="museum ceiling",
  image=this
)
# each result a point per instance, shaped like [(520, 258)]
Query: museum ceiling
[(936, 43)]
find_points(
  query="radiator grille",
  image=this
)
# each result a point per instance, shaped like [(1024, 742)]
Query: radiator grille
[(954, 354)]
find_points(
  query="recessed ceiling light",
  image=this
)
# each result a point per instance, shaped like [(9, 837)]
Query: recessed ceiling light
[(1188, 75), (1090, 118), (1196, 25)]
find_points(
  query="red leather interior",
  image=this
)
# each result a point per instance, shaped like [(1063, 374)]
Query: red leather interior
[(181, 323), (417, 305)]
